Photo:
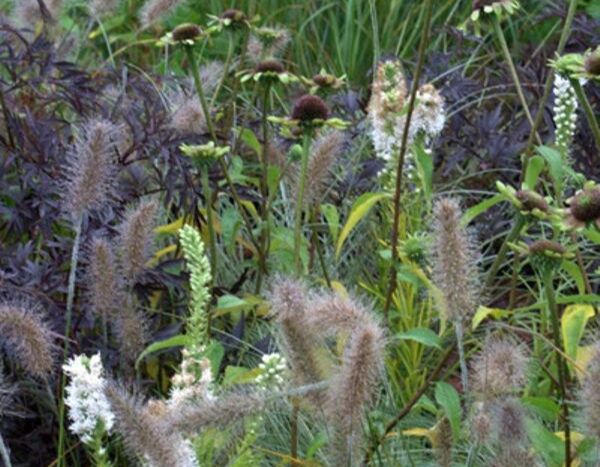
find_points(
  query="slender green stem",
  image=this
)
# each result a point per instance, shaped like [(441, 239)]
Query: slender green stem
[(212, 239), (512, 235), (513, 72), (300, 202), (588, 110), (227, 64), (319, 248), (68, 317), (560, 361), (403, 148), (211, 129)]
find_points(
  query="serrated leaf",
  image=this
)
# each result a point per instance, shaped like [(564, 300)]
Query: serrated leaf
[(423, 336), (359, 210)]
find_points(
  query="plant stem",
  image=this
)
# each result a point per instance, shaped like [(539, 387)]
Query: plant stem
[(403, 149), (587, 108), (210, 222), (300, 201), (464, 378), (226, 66), (512, 235), (560, 361), (513, 72), (211, 129), (69, 313), (4, 453)]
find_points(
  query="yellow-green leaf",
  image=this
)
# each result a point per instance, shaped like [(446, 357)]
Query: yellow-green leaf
[(483, 312), (573, 322), (360, 209)]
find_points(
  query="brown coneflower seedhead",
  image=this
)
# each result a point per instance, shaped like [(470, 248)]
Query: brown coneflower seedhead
[(352, 389), (530, 200), (455, 262), (135, 239), (154, 10), (500, 368), (324, 154), (235, 16), (271, 65), (542, 247), (584, 207), (26, 339), (90, 167), (592, 62), (288, 301), (310, 107), (200, 414), (143, 433), (105, 287), (589, 396), (186, 32)]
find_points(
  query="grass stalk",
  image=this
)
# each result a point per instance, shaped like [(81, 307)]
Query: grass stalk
[(587, 109), (403, 148), (300, 202), (4, 453), (512, 236), (212, 239)]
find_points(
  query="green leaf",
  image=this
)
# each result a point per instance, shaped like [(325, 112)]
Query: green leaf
[(544, 407), (534, 169), (248, 137), (546, 443), (425, 169), (360, 209), (483, 312), (555, 166), (176, 341), (239, 375), (575, 272), (423, 336), (273, 177), (480, 208), (215, 353), (230, 303), (447, 397), (332, 216), (573, 322)]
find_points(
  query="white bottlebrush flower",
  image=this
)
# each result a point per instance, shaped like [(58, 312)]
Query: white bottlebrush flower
[(565, 113), (89, 409), (272, 371), (192, 382)]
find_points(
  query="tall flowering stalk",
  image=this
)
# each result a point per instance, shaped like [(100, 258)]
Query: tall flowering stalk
[(89, 410)]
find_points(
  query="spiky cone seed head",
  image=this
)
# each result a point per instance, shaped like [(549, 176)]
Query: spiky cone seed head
[(186, 32), (530, 200), (270, 65), (324, 80), (592, 62), (234, 18), (479, 4), (584, 207), (308, 108)]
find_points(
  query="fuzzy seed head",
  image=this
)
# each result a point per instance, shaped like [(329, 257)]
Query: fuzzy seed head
[(589, 396), (131, 331), (324, 154), (455, 262), (500, 368), (103, 7), (481, 423), (155, 10), (143, 433), (26, 339), (90, 168), (136, 237), (28, 12), (105, 287), (509, 422), (442, 442), (309, 107)]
